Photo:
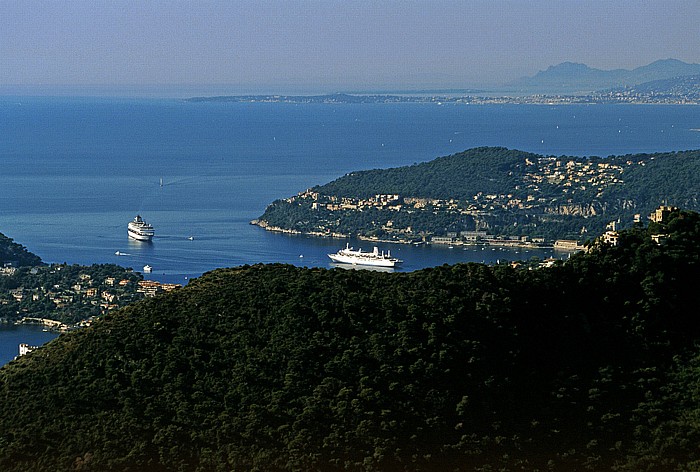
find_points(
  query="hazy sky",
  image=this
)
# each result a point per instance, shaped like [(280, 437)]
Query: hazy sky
[(343, 45)]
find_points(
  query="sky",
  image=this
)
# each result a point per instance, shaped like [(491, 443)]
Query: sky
[(332, 45)]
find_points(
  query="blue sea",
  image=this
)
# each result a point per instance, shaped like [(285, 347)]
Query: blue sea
[(75, 171), (12, 336)]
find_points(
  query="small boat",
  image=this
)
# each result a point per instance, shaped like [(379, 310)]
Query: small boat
[(191, 238), (147, 269)]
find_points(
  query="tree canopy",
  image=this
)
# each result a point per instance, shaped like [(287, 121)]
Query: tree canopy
[(16, 254), (588, 364)]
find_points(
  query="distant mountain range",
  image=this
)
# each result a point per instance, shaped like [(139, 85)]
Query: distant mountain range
[(664, 81), (570, 77)]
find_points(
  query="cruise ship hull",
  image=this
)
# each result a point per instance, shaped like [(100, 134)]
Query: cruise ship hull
[(139, 230), (359, 258), (362, 262), (140, 237)]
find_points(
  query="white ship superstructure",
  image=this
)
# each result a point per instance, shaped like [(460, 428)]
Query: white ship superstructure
[(375, 258), (140, 230)]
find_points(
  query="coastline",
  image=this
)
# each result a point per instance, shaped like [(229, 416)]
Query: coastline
[(485, 242), (49, 324)]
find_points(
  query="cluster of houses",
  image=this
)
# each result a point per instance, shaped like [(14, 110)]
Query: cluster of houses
[(82, 291), (569, 174), (573, 175), (151, 288), (75, 292), (542, 176), (660, 215)]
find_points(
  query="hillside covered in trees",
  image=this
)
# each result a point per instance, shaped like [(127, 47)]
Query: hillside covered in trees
[(591, 364), (16, 254), (500, 191)]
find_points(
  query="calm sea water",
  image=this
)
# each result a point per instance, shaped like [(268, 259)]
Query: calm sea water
[(12, 336), (75, 171)]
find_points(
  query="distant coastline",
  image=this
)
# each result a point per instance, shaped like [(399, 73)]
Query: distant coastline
[(628, 97), (560, 245), (668, 81)]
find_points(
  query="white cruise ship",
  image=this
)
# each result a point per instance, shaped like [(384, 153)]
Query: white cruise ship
[(374, 258), (140, 230)]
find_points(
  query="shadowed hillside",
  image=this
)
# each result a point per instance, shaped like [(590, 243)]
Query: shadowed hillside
[(16, 254), (588, 364)]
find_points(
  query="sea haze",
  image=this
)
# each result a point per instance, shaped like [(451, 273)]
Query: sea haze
[(76, 170)]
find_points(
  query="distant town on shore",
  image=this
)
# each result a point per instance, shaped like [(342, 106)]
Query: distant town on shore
[(668, 82)]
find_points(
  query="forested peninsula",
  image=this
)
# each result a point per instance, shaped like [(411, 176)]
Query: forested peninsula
[(590, 364), (492, 193)]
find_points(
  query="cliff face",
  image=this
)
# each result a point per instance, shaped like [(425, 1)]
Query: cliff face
[(595, 208), (580, 209)]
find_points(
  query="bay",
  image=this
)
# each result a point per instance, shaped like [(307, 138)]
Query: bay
[(76, 170)]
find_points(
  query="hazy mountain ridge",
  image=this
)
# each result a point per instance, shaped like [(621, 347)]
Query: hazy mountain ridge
[(687, 86), (569, 77)]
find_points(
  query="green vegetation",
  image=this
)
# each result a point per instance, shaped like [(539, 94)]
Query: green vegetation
[(460, 176), (591, 364), (60, 292), (501, 191), (16, 254), (66, 293)]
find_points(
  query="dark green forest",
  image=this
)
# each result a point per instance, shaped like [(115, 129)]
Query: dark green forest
[(591, 364), (461, 176), (16, 254), (498, 170)]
